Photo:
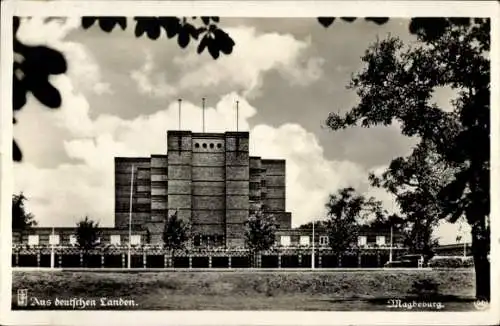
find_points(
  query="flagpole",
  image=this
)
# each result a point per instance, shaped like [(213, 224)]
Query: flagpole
[(312, 256), (237, 115), (203, 114), (130, 218), (180, 101)]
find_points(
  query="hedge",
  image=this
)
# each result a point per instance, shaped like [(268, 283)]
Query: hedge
[(451, 262)]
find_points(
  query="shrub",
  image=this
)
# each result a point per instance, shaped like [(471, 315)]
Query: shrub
[(424, 287), (451, 262)]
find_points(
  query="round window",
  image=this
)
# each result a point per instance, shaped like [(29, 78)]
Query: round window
[(204, 145)]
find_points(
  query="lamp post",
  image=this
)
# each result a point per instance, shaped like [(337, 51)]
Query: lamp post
[(390, 248), (52, 254), (130, 219), (312, 256)]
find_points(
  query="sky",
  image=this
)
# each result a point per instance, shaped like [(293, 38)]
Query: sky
[(120, 97)]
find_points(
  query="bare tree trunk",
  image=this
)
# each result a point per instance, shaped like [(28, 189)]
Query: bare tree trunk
[(481, 264)]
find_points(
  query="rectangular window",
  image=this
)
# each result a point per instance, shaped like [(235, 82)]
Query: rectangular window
[(73, 240), (362, 241), (304, 240), (115, 239), (54, 239), (254, 185), (135, 240), (380, 240), (285, 240), (33, 240), (323, 240)]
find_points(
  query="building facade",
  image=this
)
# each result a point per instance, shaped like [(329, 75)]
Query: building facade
[(209, 180)]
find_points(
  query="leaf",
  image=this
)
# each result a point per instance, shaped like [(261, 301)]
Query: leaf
[(171, 25), (139, 27), (183, 38), (191, 30), (47, 94), (87, 22), (213, 48), (153, 30), (122, 22), (203, 44), (378, 20), (348, 19), (205, 20), (224, 41), (17, 155), (460, 21), (18, 93), (106, 24), (47, 60), (15, 21), (215, 19), (326, 21), (428, 29)]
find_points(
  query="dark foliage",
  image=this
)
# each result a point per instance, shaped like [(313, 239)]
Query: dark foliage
[(260, 231), (87, 234), (448, 173), (21, 218), (175, 233), (346, 212)]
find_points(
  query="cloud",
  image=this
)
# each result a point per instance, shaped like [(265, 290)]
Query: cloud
[(82, 68), (66, 193), (150, 82), (243, 71), (63, 194)]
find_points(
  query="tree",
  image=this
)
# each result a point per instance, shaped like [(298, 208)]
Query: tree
[(397, 83), (21, 219), (416, 182), (346, 211), (87, 234), (260, 232), (175, 233), (309, 225)]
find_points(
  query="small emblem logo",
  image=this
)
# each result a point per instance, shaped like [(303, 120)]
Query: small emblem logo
[(22, 297), (481, 304)]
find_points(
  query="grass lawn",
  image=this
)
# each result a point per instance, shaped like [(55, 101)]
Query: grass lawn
[(244, 290)]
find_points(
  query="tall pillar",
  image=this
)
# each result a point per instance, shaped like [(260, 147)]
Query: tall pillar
[(300, 259), (209, 261), (102, 260), (124, 263), (190, 261), (144, 260), (279, 260), (320, 258)]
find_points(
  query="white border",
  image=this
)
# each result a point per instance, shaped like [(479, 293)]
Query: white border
[(239, 9)]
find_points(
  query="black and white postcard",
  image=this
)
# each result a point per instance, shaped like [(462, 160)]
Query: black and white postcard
[(233, 162)]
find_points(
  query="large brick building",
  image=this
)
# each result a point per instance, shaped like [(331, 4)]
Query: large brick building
[(209, 179)]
